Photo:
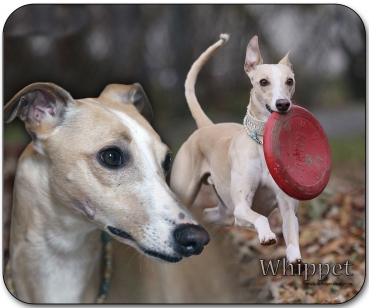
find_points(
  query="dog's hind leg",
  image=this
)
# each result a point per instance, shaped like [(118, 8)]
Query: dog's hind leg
[(288, 208), (185, 177), (220, 214)]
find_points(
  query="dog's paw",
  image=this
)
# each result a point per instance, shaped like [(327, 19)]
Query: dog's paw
[(218, 216), (294, 258), (293, 254), (268, 239), (266, 236), (211, 215), (298, 266)]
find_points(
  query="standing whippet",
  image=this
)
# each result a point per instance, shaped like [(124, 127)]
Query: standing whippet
[(232, 160), (94, 164)]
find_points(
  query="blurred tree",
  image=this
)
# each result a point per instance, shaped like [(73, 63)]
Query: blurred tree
[(83, 48)]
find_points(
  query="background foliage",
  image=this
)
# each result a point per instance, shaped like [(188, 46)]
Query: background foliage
[(82, 48)]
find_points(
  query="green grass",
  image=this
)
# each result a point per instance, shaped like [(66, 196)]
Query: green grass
[(348, 150)]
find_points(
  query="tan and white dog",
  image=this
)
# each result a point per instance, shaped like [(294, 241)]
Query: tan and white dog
[(95, 164), (228, 158)]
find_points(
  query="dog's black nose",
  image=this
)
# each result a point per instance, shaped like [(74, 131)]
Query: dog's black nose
[(190, 239), (282, 105)]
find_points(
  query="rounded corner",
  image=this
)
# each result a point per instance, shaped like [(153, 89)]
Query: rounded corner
[(20, 7), (351, 9), (359, 292)]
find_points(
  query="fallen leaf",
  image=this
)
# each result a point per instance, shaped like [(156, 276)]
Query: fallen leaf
[(309, 236), (331, 246), (345, 211)]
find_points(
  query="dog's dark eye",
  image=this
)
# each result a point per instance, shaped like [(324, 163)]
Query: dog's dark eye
[(263, 82), (166, 163), (289, 82), (111, 157)]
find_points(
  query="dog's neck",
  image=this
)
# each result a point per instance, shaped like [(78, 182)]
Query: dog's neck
[(255, 120), (260, 114), (53, 248), (253, 125)]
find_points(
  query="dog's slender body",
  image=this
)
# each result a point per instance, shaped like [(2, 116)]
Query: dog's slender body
[(224, 155), (97, 164)]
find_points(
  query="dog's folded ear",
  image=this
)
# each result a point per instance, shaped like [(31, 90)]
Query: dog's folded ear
[(40, 106), (286, 61), (253, 56), (129, 94), (37, 103)]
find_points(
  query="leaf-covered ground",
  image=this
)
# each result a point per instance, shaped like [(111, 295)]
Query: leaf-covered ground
[(332, 231)]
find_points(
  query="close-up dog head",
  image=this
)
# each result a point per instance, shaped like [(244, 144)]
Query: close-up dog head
[(106, 165), (273, 85)]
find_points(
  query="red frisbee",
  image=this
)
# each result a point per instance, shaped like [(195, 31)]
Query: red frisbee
[(297, 153)]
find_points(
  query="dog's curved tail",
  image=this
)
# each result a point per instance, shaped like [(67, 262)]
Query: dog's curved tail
[(197, 113)]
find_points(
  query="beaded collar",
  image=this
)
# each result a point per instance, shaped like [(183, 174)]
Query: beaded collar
[(107, 270), (253, 127)]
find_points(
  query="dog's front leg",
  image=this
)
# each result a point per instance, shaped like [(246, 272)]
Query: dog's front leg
[(243, 188), (288, 207)]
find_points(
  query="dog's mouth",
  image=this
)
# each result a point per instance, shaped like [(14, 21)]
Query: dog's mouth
[(268, 108), (121, 233), (162, 256), (279, 111)]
